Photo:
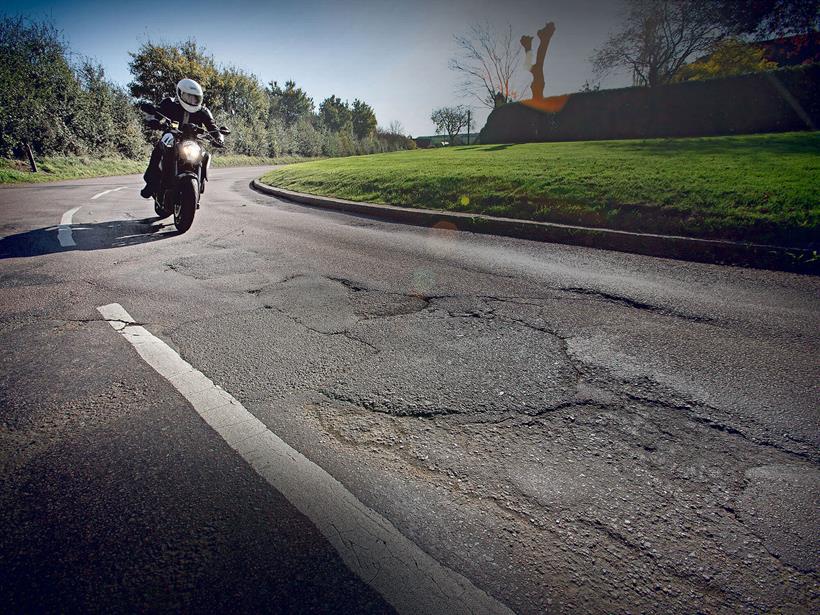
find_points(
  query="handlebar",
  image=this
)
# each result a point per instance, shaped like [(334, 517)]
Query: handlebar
[(168, 124)]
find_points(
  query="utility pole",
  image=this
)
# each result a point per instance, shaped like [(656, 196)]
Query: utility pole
[(468, 127)]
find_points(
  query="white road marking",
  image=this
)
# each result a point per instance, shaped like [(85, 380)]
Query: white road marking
[(64, 235), (408, 578), (98, 195)]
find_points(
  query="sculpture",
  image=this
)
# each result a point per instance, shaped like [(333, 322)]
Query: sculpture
[(537, 68)]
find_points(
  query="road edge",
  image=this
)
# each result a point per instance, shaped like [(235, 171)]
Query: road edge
[(720, 252)]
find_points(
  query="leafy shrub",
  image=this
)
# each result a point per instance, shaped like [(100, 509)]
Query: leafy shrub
[(55, 106)]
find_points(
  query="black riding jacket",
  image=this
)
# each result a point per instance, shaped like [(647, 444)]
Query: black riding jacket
[(170, 108)]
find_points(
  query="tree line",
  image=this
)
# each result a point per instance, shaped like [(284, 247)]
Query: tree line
[(59, 105)]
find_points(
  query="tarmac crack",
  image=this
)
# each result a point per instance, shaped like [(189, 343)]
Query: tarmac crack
[(632, 303), (690, 410), (358, 288), (344, 333)]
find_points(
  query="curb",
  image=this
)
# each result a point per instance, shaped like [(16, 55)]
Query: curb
[(714, 251)]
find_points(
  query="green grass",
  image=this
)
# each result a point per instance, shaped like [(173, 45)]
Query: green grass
[(756, 188), (238, 160), (76, 167), (66, 167)]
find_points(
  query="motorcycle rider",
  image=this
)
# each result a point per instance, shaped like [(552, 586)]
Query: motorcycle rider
[(185, 108)]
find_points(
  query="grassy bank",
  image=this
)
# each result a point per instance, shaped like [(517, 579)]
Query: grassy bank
[(71, 167), (757, 188), (236, 160)]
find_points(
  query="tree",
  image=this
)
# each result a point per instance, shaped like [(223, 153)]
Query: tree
[(288, 104), (307, 140), (767, 18), (450, 120), (54, 105), (158, 68), (102, 115), (36, 87), (487, 61), (395, 128), (239, 100), (392, 138), (363, 118), (237, 93), (658, 37), (730, 57), (335, 114)]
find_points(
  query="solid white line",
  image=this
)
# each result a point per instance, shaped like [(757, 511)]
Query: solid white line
[(408, 578), (98, 195), (64, 235)]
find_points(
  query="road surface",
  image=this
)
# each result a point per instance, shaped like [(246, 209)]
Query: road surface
[(524, 426)]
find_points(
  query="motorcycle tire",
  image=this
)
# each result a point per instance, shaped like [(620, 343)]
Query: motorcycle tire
[(185, 207)]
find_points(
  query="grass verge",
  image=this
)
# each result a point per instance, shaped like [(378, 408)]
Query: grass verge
[(78, 167), (763, 188)]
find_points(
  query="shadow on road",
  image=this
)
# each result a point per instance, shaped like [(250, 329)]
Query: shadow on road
[(97, 236)]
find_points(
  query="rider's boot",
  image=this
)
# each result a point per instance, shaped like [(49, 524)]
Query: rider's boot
[(147, 192)]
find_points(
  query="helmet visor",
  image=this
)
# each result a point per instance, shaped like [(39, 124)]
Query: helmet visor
[(192, 99)]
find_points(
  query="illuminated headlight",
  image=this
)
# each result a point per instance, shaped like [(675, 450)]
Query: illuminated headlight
[(191, 151)]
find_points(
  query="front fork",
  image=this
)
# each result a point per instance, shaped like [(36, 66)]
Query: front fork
[(203, 169)]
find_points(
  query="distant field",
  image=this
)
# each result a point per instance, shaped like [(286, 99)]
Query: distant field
[(757, 188), (76, 167)]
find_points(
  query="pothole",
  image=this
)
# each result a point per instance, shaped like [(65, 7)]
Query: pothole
[(433, 363)]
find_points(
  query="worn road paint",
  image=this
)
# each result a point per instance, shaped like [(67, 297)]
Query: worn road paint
[(99, 194), (408, 578), (64, 235)]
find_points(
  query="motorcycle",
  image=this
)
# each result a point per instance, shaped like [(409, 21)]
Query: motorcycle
[(184, 182)]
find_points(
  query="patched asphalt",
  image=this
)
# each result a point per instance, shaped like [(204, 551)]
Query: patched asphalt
[(571, 429)]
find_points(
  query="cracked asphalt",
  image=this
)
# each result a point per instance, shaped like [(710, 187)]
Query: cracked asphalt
[(572, 430)]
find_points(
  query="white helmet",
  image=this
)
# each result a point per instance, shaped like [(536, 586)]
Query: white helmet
[(189, 95)]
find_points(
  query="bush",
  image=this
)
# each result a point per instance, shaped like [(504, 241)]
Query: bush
[(57, 107)]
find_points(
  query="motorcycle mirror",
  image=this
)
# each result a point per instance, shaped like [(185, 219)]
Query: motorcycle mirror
[(224, 130)]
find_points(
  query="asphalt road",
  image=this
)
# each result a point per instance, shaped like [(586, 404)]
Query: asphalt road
[(569, 430)]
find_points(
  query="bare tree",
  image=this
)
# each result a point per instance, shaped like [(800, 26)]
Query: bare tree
[(487, 61), (658, 37), (395, 128), (450, 120)]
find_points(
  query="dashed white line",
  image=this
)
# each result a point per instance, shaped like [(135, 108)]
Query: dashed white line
[(104, 192), (408, 578), (64, 235)]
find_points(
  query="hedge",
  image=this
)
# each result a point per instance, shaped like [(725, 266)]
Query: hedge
[(773, 101)]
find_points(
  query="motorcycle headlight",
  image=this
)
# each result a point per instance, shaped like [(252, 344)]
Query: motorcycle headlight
[(191, 151)]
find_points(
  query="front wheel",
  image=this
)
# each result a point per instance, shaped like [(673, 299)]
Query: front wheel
[(185, 206)]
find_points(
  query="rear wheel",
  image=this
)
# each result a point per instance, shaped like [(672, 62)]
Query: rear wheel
[(185, 207)]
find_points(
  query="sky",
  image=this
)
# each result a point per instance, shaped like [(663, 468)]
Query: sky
[(393, 55)]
